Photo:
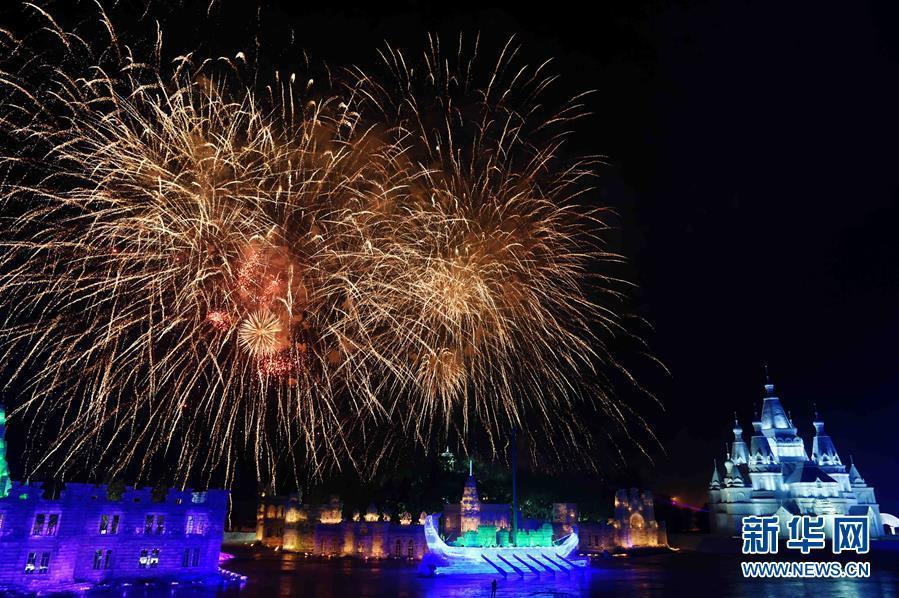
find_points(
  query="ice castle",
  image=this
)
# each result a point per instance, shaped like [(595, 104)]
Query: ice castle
[(773, 474)]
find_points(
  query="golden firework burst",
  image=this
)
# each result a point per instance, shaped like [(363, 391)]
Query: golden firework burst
[(299, 265), (260, 334)]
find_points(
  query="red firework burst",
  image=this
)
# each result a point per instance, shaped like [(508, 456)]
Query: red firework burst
[(220, 319)]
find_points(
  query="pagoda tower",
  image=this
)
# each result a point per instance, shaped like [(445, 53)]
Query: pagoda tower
[(470, 509)]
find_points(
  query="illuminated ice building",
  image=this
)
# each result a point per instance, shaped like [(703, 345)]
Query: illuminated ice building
[(773, 475), (84, 534)]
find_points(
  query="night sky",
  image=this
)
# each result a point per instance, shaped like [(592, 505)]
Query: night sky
[(752, 149), (752, 152)]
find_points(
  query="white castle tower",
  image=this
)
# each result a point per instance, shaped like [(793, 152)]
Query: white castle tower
[(774, 475)]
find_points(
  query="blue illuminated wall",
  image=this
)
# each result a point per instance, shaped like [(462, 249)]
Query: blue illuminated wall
[(85, 537)]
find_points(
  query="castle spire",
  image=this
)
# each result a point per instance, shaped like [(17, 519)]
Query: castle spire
[(775, 420), (5, 482), (823, 450), (715, 484), (739, 450)]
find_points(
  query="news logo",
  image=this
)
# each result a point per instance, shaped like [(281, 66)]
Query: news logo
[(760, 534), (806, 533), (851, 534)]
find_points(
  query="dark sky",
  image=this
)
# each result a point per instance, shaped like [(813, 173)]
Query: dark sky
[(753, 148)]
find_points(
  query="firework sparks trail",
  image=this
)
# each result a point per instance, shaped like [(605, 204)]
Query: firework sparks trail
[(290, 271)]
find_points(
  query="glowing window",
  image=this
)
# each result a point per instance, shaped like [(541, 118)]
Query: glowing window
[(149, 558), (196, 524), (45, 524), (30, 563), (52, 524), (38, 562), (109, 525), (38, 528)]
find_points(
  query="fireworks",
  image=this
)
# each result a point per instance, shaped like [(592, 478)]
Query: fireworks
[(292, 268), (262, 335)]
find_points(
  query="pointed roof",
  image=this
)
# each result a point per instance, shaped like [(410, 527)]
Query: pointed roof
[(855, 478), (738, 479), (775, 421), (715, 483), (823, 450), (739, 449)]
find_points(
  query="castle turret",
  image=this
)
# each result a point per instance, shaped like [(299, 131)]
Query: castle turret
[(5, 482), (855, 478), (761, 457), (775, 421), (715, 484), (739, 449), (824, 453), (776, 425)]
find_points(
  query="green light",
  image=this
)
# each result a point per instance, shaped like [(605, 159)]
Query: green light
[(5, 482)]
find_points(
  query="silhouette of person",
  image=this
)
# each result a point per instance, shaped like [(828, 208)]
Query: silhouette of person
[(493, 589)]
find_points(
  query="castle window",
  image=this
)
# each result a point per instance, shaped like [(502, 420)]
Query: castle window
[(149, 559), (411, 549), (190, 557), (38, 528), (398, 549), (109, 524), (102, 559), (154, 524), (38, 562), (196, 524), (30, 563), (52, 524), (45, 524)]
